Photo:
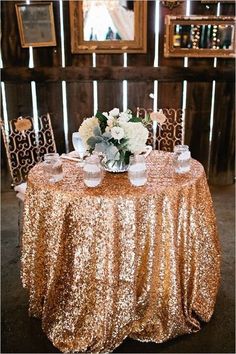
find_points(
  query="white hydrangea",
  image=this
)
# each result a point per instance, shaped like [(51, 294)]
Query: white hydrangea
[(137, 136), (124, 117), (86, 129), (117, 133)]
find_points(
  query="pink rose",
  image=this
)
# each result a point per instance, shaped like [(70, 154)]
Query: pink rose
[(158, 117)]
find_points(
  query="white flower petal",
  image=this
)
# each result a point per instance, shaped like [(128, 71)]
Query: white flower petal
[(105, 114), (137, 135), (124, 117), (117, 133), (86, 129), (110, 121), (114, 112)]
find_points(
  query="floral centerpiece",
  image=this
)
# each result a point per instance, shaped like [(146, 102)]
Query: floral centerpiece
[(116, 136)]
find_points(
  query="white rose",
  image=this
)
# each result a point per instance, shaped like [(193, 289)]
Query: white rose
[(114, 112), (110, 121), (117, 133), (105, 114)]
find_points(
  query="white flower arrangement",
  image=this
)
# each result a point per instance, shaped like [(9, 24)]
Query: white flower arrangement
[(114, 134)]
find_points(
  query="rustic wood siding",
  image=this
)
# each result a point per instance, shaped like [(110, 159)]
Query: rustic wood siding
[(140, 75)]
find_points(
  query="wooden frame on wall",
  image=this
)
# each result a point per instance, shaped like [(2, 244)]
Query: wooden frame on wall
[(80, 45), (216, 1), (199, 36), (36, 24)]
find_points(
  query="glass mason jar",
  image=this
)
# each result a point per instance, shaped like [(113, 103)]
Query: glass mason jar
[(182, 158), (53, 167), (92, 171), (137, 171)]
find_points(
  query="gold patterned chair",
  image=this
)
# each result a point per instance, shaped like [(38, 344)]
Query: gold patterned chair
[(170, 133), (25, 147)]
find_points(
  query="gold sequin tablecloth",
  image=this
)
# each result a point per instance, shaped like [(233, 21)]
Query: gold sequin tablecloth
[(105, 263)]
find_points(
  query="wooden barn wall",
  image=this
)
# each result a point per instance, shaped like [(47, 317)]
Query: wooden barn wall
[(140, 75)]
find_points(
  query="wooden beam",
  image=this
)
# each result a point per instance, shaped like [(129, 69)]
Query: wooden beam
[(146, 73)]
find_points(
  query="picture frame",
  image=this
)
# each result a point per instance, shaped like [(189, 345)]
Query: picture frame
[(200, 36), (207, 2), (36, 24), (136, 43)]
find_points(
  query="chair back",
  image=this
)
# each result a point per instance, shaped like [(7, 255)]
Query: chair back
[(170, 133), (24, 147)]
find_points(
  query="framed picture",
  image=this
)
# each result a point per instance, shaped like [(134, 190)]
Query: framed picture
[(108, 26), (36, 24), (216, 1), (200, 36)]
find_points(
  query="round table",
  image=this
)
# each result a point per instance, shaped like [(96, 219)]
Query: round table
[(114, 261)]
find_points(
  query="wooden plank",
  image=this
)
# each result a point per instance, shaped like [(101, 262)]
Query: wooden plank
[(79, 104), (199, 97), (163, 11), (110, 95), (223, 136), (79, 93), (169, 95), (106, 60), (66, 23), (4, 165), (222, 161), (78, 60), (49, 96), (50, 56), (13, 55), (197, 122), (19, 100), (138, 95), (138, 92), (199, 8), (164, 74), (12, 52), (227, 9), (49, 99), (147, 58)]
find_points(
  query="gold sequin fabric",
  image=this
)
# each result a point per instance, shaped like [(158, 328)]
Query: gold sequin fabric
[(102, 264)]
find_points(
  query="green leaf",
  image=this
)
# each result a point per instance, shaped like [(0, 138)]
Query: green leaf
[(93, 140), (135, 119), (97, 131), (127, 156), (107, 135), (101, 117), (102, 121), (123, 144)]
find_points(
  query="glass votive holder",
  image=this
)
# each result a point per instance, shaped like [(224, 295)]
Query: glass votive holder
[(181, 159), (137, 171), (53, 167), (92, 171)]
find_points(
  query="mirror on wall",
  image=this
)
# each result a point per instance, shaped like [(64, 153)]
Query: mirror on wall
[(196, 36), (108, 26)]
